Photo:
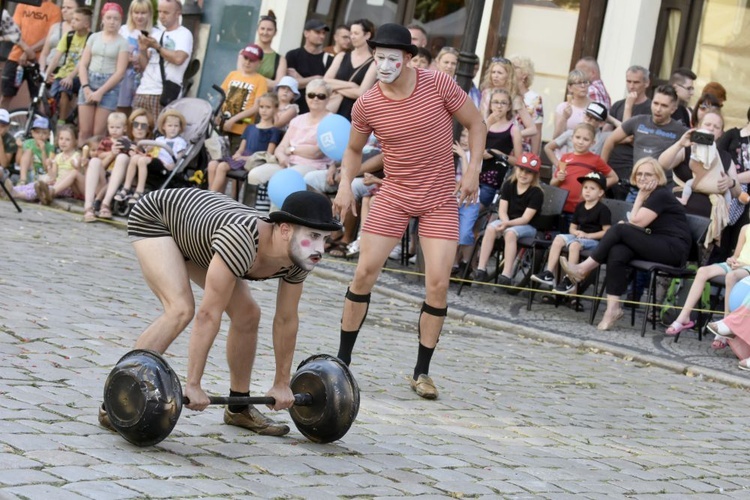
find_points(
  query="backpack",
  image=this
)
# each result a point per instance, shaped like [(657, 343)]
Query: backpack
[(675, 297), (69, 39)]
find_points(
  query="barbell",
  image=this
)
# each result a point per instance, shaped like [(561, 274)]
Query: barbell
[(143, 398)]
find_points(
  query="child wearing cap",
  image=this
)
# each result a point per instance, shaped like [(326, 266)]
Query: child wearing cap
[(591, 220), (288, 92), (579, 162), (36, 152), (595, 115), (521, 198), (243, 87)]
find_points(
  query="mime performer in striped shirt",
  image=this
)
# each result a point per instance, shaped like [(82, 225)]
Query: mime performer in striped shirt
[(184, 235), (411, 113)]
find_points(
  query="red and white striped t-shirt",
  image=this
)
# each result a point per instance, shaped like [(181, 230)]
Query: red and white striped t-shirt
[(415, 133)]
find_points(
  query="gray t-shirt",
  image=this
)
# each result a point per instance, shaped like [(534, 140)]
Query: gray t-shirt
[(650, 139), (621, 158), (104, 54)]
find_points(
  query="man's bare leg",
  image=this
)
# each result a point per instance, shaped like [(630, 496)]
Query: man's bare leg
[(374, 250), (166, 273), (438, 257)]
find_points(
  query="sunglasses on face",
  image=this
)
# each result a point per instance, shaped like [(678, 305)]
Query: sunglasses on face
[(140, 125), (313, 95)]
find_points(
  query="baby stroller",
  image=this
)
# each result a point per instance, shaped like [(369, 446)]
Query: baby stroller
[(189, 169)]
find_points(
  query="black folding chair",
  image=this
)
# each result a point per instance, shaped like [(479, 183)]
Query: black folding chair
[(698, 226)]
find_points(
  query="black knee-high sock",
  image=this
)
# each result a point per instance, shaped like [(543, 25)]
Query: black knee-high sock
[(238, 408), (349, 338), (424, 356)]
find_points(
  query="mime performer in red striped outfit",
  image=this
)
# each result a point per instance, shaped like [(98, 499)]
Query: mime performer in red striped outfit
[(411, 112)]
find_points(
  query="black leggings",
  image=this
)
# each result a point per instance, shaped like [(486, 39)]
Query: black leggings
[(625, 242)]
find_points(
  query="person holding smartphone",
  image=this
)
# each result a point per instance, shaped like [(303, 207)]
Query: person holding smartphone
[(140, 23), (707, 173)]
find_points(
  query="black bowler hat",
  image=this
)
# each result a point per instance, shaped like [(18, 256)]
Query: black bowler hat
[(393, 36), (309, 209)]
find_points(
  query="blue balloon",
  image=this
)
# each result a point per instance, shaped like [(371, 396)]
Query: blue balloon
[(740, 293), (283, 183), (333, 136)]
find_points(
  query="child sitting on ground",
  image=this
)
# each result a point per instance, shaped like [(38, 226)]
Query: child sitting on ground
[(591, 220), (736, 268), (256, 138), (65, 176), (161, 158), (521, 198), (287, 92), (37, 152), (576, 164), (102, 160)]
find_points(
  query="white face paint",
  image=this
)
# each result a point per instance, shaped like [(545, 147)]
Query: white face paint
[(388, 63), (306, 247)]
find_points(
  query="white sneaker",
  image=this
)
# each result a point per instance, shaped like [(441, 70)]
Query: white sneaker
[(353, 248), (395, 253)]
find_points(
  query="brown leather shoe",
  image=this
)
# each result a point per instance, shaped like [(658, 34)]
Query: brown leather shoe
[(424, 387), (104, 419), (255, 421)]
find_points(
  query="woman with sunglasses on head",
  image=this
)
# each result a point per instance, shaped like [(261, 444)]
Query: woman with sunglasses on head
[(352, 73), (501, 75), (570, 113), (705, 103)]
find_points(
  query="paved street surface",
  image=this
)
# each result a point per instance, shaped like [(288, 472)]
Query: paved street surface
[(532, 404)]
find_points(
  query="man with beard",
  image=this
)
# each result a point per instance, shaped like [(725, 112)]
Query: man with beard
[(184, 235), (411, 113)]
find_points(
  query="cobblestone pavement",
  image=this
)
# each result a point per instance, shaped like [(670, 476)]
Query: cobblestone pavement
[(527, 408)]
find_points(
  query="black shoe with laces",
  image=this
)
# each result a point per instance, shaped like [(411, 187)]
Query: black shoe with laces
[(544, 278)]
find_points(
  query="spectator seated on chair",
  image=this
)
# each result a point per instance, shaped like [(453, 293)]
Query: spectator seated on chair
[(260, 137), (736, 268), (521, 198), (658, 231), (591, 220), (287, 91)]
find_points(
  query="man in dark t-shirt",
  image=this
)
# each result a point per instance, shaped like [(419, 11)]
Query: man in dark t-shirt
[(653, 134), (309, 61), (184, 235), (636, 103), (683, 81)]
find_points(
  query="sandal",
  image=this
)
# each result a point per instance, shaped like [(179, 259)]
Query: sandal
[(338, 250), (744, 364), (122, 195), (719, 343), (676, 327), (88, 215), (134, 198), (720, 329), (331, 243), (105, 212)]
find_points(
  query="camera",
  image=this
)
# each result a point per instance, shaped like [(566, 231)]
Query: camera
[(702, 138)]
